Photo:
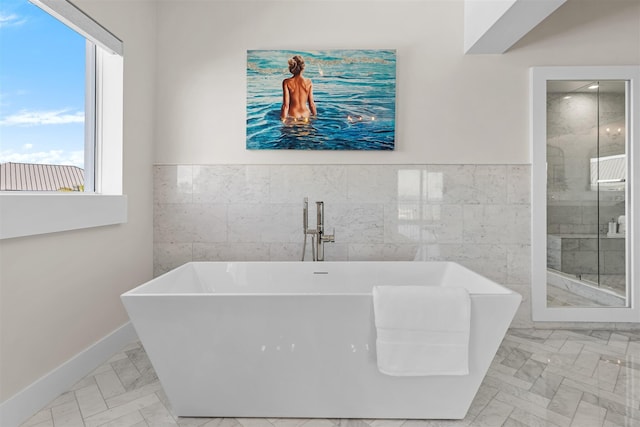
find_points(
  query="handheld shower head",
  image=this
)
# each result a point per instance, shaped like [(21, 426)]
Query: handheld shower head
[(305, 214)]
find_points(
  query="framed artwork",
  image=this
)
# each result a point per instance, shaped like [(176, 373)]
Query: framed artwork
[(321, 99)]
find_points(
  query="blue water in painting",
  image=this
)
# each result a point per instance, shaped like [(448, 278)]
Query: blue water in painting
[(354, 93)]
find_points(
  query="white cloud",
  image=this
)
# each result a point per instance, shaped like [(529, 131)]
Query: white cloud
[(11, 20), (34, 118), (27, 146), (51, 157)]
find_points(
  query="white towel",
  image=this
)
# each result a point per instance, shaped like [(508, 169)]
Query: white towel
[(422, 330)]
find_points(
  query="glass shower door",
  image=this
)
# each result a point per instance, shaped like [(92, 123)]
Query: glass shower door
[(586, 167), (608, 180)]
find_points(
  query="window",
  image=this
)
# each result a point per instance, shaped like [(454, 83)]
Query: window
[(45, 71), (70, 137)]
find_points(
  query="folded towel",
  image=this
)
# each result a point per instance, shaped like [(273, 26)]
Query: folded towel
[(422, 330)]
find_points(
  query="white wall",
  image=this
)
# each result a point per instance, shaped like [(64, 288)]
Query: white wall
[(451, 108), (60, 292), (480, 16)]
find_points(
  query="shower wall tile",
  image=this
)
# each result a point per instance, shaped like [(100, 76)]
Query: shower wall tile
[(406, 222), (285, 223), (580, 262), (614, 262), (173, 184), (564, 215), (332, 252), (570, 244), (173, 222), (612, 244), (472, 184), (189, 222), (167, 256), (372, 183), (399, 252), (245, 222), (587, 244), (286, 251), (386, 211), (231, 184), (231, 252), (432, 252), (354, 223), (455, 183), (209, 222), (250, 222), (576, 229), (488, 260), (317, 182), (491, 184), (496, 223), (518, 184), (519, 264), (366, 252)]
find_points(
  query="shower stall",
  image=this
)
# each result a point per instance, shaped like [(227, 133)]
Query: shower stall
[(586, 193)]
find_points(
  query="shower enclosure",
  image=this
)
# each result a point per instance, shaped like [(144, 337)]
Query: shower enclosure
[(586, 193)]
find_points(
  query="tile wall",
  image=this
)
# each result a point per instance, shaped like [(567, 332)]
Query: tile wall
[(578, 130), (477, 215)]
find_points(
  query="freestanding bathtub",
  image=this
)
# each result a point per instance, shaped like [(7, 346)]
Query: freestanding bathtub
[(297, 339)]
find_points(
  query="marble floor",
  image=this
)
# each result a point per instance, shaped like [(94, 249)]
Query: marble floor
[(558, 297), (566, 290), (559, 378), (613, 282)]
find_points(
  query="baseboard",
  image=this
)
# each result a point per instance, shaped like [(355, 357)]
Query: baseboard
[(26, 403)]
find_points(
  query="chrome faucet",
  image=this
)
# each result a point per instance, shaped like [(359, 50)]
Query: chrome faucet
[(318, 237), (321, 237)]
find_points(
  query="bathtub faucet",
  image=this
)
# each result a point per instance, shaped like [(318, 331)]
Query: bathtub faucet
[(318, 236), (322, 238)]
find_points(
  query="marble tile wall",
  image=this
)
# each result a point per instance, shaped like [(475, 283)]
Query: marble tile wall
[(586, 255), (477, 215), (577, 132)]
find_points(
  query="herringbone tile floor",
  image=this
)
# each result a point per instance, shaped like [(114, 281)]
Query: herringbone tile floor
[(538, 378)]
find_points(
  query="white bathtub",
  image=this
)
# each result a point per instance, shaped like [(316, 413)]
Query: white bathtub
[(294, 339)]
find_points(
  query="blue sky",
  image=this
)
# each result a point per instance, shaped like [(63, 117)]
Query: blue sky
[(42, 78)]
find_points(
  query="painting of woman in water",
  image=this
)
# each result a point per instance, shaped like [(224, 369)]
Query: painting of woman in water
[(321, 100)]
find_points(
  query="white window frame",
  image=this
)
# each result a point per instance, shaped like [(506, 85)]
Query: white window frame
[(27, 213)]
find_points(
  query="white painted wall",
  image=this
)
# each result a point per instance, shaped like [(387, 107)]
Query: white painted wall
[(59, 293), (451, 108), (493, 26), (480, 16)]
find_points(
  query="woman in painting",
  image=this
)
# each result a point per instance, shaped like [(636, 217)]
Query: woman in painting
[(297, 92)]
